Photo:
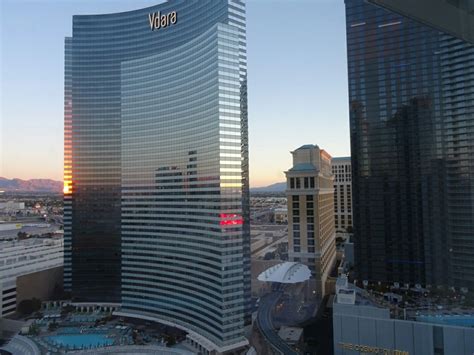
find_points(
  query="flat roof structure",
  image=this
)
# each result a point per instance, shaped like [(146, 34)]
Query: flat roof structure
[(291, 335)]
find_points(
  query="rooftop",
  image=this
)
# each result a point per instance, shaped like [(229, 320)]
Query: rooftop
[(291, 335), (303, 167), (308, 146), (411, 301), (341, 159), (30, 242)]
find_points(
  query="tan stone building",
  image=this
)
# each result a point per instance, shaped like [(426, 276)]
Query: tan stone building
[(311, 232), (341, 169)]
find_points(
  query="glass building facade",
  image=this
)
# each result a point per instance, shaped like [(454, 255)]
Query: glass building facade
[(157, 206), (411, 93), (455, 17)]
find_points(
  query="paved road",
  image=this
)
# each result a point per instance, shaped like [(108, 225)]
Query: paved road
[(264, 322), (21, 345)]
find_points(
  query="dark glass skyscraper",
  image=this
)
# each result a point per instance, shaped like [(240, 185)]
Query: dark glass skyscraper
[(455, 17), (156, 166), (411, 93)]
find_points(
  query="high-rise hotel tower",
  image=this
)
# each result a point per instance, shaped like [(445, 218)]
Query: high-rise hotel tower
[(412, 134), (311, 232), (156, 166)]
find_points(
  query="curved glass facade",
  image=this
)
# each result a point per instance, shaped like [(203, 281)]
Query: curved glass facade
[(158, 187)]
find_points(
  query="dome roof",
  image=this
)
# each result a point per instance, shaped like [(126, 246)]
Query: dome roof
[(287, 272)]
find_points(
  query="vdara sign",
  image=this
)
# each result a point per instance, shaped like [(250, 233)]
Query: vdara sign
[(157, 20)]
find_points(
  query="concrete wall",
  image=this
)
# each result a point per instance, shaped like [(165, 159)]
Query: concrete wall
[(39, 284), (349, 253), (358, 332), (330, 285)]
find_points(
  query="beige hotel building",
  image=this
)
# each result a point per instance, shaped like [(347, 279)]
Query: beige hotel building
[(311, 232), (341, 169)]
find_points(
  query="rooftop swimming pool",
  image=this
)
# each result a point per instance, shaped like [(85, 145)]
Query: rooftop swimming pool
[(83, 330), (463, 320), (69, 330), (80, 340)]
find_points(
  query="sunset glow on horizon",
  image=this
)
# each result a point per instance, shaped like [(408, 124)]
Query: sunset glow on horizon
[(298, 97)]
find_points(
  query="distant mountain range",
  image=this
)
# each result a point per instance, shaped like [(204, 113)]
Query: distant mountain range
[(278, 187), (48, 185), (32, 185)]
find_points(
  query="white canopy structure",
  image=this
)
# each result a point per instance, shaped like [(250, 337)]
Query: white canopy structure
[(287, 273)]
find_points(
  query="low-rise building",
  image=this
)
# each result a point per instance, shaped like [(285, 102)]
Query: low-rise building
[(11, 206), (281, 215), (28, 258), (291, 335)]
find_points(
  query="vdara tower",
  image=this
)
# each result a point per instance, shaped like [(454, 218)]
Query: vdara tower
[(156, 166)]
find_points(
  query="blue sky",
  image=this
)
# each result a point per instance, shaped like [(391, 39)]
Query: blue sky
[(297, 81)]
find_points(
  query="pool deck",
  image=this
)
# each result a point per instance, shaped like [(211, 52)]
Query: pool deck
[(136, 349), (453, 319)]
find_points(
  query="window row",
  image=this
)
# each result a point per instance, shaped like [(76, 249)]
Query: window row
[(302, 182)]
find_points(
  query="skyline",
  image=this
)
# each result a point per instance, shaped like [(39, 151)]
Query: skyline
[(297, 92), (170, 237)]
